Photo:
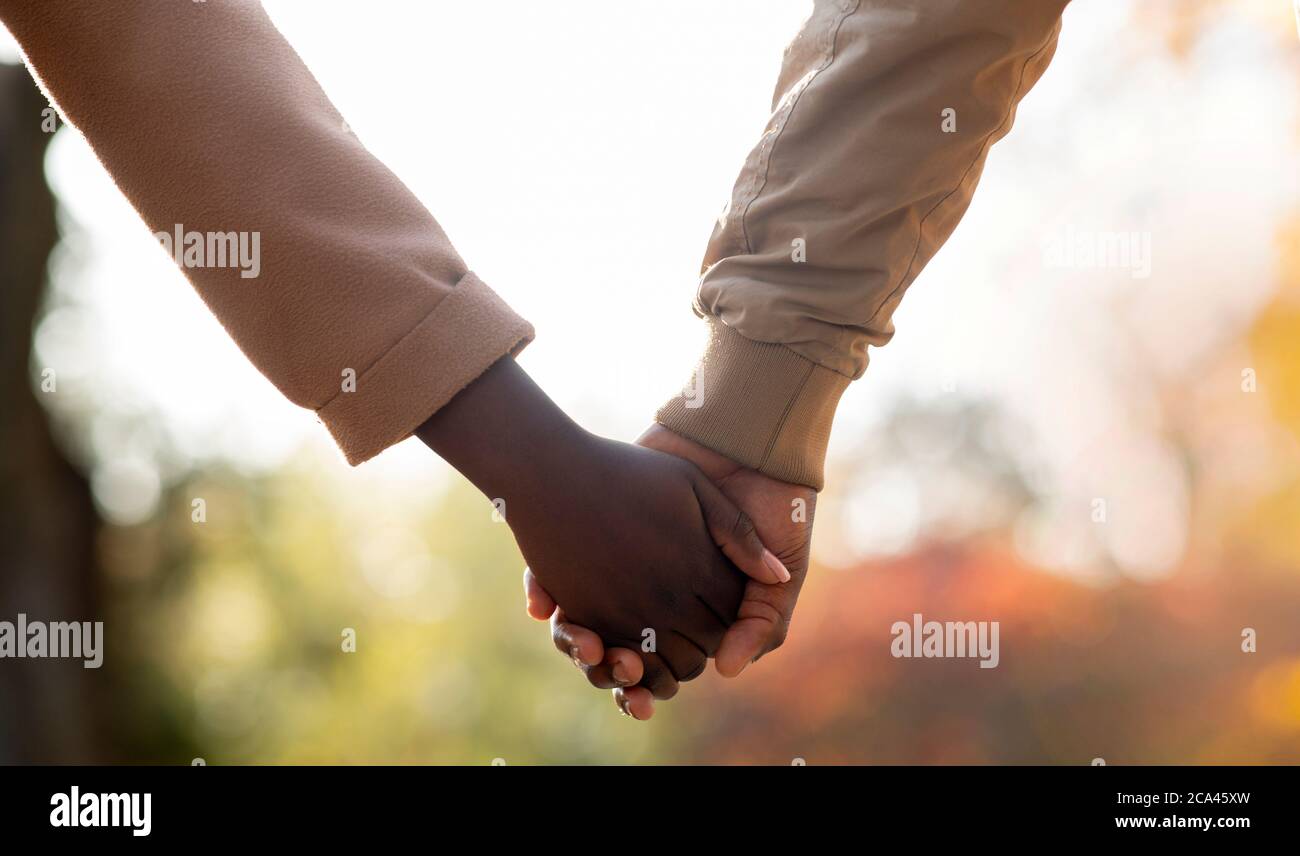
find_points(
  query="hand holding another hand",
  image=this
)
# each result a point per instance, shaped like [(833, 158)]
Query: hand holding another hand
[(782, 515), (635, 543)]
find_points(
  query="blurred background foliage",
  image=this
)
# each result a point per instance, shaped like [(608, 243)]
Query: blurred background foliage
[(226, 636)]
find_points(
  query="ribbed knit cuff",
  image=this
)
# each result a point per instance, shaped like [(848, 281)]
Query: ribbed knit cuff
[(760, 404)]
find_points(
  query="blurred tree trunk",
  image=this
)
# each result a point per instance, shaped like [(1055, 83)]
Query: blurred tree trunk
[(47, 520)]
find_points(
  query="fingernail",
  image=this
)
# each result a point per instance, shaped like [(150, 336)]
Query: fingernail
[(619, 671), (622, 702), (775, 566), (577, 660)]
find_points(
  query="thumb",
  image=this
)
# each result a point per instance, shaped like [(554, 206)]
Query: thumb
[(736, 537), (760, 626)]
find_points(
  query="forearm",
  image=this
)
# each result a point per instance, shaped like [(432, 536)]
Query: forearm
[(209, 122), (859, 179)]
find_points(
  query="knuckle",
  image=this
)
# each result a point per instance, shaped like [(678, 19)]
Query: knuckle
[(659, 680), (743, 527), (764, 611), (665, 691), (693, 671), (560, 638)]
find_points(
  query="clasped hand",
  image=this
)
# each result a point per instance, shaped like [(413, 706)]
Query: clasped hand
[(636, 545)]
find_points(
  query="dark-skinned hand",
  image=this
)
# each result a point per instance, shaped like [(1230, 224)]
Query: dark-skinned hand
[(783, 515), (636, 545)]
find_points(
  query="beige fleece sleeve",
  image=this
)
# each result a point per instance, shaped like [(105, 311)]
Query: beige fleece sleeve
[(883, 116), (210, 124)]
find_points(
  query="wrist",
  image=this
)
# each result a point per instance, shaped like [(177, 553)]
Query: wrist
[(504, 433)]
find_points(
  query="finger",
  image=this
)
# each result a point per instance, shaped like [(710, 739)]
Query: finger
[(745, 642), (719, 591), (658, 677), (620, 668), (636, 702), (735, 535), (760, 626), (683, 655), (537, 601), (577, 643)]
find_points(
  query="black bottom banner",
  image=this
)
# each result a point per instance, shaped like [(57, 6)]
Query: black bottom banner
[(213, 805)]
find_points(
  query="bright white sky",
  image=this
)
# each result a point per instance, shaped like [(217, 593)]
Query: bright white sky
[(577, 154)]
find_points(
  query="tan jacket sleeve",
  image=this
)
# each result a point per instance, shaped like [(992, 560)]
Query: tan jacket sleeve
[(884, 113), (209, 122)]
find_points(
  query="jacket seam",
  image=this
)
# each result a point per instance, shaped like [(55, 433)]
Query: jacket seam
[(789, 113), (785, 416), (920, 229)]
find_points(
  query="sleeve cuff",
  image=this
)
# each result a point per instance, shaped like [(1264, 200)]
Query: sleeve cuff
[(469, 330), (760, 404)]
